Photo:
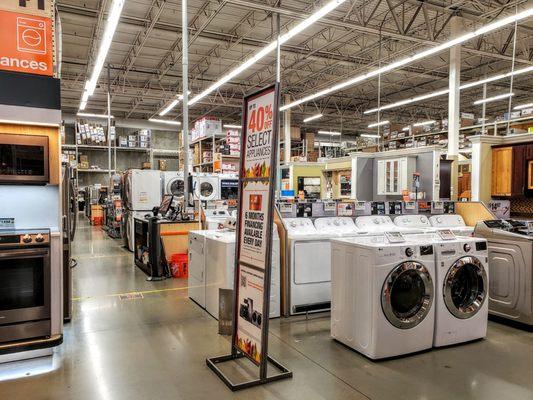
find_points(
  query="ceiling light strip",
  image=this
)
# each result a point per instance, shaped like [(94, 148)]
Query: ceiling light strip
[(494, 98), (167, 109), (524, 106), (426, 53), (380, 123), (446, 91), (231, 126), (424, 123), (269, 48), (313, 117), (164, 121), (91, 115), (111, 26), (332, 133)]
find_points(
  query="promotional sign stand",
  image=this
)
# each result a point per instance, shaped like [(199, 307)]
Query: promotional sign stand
[(253, 253)]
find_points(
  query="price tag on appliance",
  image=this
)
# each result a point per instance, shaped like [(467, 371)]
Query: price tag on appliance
[(7, 223), (410, 205), (359, 206), (394, 237), (330, 206), (446, 234)]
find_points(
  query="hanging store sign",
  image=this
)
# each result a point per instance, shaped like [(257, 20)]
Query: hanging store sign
[(41, 8), (27, 44)]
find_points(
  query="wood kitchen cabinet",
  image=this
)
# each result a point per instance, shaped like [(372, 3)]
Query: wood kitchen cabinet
[(502, 172), (519, 172)]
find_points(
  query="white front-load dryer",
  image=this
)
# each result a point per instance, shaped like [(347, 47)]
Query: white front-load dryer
[(461, 288), (454, 222), (382, 295), (173, 183), (206, 187), (143, 189)]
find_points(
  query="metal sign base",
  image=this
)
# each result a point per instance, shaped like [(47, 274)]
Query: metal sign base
[(213, 362)]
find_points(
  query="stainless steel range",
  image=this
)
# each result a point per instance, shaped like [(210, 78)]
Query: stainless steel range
[(24, 285)]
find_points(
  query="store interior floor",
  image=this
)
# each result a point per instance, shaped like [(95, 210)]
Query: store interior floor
[(154, 347)]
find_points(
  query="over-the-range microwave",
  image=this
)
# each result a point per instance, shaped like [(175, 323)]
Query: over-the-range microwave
[(24, 159)]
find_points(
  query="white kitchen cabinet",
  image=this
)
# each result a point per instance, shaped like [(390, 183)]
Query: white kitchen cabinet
[(394, 175)]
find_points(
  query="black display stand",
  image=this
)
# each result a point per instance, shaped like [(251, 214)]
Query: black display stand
[(236, 353)]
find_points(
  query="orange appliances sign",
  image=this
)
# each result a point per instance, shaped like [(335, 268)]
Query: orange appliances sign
[(26, 44)]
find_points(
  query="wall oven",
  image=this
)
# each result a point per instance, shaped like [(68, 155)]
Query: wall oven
[(23, 159), (24, 285)]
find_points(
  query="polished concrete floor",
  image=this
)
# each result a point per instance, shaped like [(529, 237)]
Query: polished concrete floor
[(154, 347)]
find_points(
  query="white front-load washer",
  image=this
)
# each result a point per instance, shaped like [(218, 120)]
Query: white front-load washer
[(454, 222), (142, 189), (461, 288), (383, 295), (220, 267), (173, 183), (309, 267), (206, 187)]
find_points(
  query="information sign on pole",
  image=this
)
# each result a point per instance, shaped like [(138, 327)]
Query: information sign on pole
[(253, 256)]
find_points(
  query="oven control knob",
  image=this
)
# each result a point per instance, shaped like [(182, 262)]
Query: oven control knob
[(39, 238), (26, 238), (409, 252), (467, 247)]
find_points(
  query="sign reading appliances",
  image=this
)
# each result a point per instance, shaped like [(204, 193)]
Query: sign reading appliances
[(26, 44), (42, 8)]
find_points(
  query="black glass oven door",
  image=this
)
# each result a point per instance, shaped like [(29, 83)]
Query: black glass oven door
[(24, 285), (23, 159)]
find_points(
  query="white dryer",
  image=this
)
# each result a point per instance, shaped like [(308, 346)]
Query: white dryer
[(417, 222), (206, 187), (379, 224), (142, 189), (309, 267), (454, 222), (461, 288), (173, 183), (220, 267), (383, 295)]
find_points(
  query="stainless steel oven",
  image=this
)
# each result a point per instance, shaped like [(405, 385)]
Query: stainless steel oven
[(24, 285), (24, 159)]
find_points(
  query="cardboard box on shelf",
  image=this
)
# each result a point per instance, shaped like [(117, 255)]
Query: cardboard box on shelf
[(146, 165), (295, 133), (162, 165), (83, 165), (84, 158)]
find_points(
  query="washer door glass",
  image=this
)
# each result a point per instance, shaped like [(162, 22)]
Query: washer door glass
[(177, 187), (465, 287), (206, 189), (407, 295)]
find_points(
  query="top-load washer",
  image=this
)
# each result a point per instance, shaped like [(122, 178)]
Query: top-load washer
[(417, 222), (338, 227), (309, 267), (379, 224), (142, 189), (511, 269), (461, 287), (220, 268), (215, 218), (206, 187), (454, 222), (173, 183), (382, 295)]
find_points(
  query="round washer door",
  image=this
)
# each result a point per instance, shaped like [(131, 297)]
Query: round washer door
[(206, 189), (407, 295), (465, 287), (176, 186)]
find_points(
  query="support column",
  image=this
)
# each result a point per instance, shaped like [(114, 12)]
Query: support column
[(287, 130), (454, 111), (185, 87)]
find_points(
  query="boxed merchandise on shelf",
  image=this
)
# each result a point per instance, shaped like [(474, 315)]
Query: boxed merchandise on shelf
[(207, 126)]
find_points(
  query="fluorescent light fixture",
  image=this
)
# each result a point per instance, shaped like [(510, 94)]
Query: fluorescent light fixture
[(180, 97), (91, 115), (231, 126), (405, 61), (446, 91), (332, 133), (406, 129), (313, 117), (269, 48), (370, 136), (164, 121), (110, 28), (167, 109), (424, 123), (380, 123), (521, 107), (494, 98)]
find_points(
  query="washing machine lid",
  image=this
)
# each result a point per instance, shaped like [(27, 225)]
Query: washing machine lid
[(447, 221), (413, 221), (465, 287), (407, 295), (337, 226)]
